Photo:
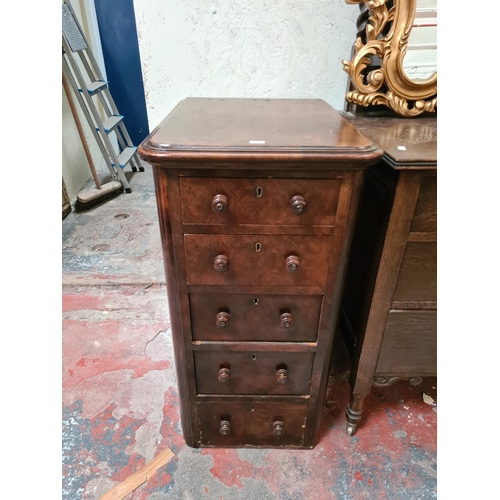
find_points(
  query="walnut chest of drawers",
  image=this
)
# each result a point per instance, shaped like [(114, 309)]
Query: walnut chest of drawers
[(256, 200)]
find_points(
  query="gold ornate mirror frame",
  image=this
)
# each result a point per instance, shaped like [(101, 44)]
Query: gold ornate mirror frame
[(388, 85)]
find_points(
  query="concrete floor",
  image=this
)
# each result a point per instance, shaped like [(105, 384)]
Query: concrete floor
[(120, 400)]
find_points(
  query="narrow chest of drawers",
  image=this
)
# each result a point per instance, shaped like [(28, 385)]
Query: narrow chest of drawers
[(256, 200)]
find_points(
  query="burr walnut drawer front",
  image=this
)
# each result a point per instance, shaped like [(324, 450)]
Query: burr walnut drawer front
[(259, 372), (257, 317), (255, 424), (259, 201), (256, 260)]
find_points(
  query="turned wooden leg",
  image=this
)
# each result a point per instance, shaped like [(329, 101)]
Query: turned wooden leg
[(353, 413)]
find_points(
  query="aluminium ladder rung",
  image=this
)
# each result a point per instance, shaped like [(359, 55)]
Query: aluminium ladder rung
[(111, 123), (95, 87), (125, 156)]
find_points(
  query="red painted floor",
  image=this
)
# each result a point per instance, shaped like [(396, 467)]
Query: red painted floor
[(120, 401)]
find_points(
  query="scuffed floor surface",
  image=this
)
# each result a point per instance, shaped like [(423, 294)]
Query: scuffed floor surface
[(121, 407)]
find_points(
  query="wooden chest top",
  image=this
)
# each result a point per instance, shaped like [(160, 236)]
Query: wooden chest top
[(257, 129)]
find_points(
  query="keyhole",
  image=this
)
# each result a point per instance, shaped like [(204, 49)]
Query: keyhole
[(259, 192), (255, 302), (258, 247), (252, 408), (254, 357)]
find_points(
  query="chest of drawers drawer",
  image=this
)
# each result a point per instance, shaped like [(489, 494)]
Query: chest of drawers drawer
[(253, 372), (255, 241), (254, 317), (252, 424), (259, 201), (256, 260)]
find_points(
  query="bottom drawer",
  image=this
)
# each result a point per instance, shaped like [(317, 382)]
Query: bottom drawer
[(252, 424)]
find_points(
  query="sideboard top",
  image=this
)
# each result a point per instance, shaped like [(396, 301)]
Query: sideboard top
[(257, 129), (408, 143)]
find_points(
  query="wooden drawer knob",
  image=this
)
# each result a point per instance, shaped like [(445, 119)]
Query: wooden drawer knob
[(225, 427), (278, 428), (221, 263), (292, 263), (298, 205), (222, 319), (219, 203), (224, 374), (282, 376), (286, 320)]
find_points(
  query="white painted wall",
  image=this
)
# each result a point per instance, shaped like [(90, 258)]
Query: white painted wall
[(252, 48)]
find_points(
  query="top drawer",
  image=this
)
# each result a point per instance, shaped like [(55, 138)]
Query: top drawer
[(219, 201)]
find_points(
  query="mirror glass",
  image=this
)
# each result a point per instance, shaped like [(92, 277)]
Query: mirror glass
[(420, 60)]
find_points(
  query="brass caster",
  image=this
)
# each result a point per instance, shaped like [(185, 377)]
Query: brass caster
[(350, 430)]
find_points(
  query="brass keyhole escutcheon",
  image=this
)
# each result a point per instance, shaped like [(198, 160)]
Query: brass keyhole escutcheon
[(255, 302), (258, 247), (258, 192)]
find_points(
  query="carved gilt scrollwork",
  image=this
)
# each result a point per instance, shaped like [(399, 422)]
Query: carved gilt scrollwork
[(388, 84)]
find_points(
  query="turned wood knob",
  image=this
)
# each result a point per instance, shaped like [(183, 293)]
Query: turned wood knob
[(298, 205), (219, 203), (286, 320), (282, 376), (292, 263), (224, 374), (221, 263), (225, 427), (222, 319), (278, 428)]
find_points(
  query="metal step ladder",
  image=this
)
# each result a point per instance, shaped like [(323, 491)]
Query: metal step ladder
[(85, 78)]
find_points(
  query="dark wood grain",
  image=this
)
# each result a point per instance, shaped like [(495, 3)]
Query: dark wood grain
[(248, 379), (248, 267), (255, 317), (348, 205), (208, 130), (392, 255), (425, 216), (407, 143), (417, 279), (403, 353), (207, 345), (252, 424), (368, 240), (272, 207), (389, 305), (253, 372), (183, 358)]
